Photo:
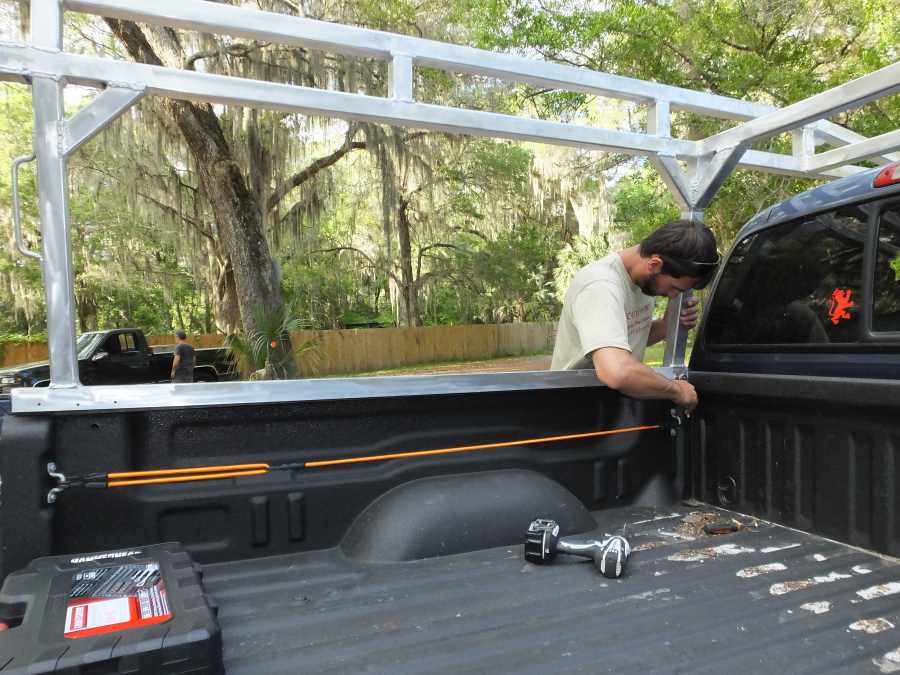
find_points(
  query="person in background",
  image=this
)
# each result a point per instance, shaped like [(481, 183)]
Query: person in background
[(607, 316), (183, 363)]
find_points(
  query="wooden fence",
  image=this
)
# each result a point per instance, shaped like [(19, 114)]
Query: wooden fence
[(369, 349)]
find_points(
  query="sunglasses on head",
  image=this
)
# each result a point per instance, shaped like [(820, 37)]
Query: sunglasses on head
[(695, 263), (693, 268)]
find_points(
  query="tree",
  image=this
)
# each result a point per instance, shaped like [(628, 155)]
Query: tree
[(772, 51), (236, 207)]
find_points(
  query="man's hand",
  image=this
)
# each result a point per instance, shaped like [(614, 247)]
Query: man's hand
[(618, 370), (685, 395), (690, 313)]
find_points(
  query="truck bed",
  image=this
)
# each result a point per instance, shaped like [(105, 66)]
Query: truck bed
[(764, 598)]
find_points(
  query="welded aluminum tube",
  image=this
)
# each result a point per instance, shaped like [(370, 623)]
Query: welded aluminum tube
[(253, 24), (218, 394), (677, 334), (871, 147), (47, 97), (860, 91), (16, 60), (400, 78), (206, 87), (53, 199), (47, 24), (93, 118)]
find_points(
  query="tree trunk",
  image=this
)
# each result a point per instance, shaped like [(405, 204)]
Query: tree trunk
[(409, 301), (86, 305), (237, 212)]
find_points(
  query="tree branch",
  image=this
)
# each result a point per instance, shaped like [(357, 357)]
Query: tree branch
[(305, 174)]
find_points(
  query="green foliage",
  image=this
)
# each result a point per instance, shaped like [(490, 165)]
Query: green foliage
[(259, 354), (895, 265), (21, 303), (573, 256), (642, 204), (770, 51)]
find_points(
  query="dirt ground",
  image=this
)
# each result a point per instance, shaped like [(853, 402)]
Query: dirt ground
[(515, 363)]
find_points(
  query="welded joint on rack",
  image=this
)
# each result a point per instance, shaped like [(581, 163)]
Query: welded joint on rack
[(712, 171), (804, 141), (134, 86), (400, 77), (659, 118), (55, 77), (17, 43), (108, 105)]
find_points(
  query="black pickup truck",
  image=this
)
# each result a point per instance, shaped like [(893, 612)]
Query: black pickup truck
[(121, 356), (393, 540)]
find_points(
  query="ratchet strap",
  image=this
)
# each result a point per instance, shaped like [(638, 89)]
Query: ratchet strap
[(225, 471)]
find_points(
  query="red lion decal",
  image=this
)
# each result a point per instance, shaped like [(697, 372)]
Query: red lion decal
[(839, 304)]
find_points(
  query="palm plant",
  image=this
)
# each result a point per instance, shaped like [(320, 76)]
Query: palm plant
[(260, 355)]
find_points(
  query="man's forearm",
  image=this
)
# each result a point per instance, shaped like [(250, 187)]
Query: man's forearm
[(641, 381), (616, 368)]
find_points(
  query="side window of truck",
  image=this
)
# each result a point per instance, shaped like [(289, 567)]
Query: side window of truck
[(886, 300), (797, 283), (112, 345)]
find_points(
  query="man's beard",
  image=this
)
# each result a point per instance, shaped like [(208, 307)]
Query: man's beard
[(648, 286)]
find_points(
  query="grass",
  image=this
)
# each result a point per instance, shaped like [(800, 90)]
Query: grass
[(652, 357), (458, 365)]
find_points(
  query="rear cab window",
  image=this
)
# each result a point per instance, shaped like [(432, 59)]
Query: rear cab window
[(797, 283), (886, 286)]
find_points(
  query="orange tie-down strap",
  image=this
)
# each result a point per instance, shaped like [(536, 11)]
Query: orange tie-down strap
[(158, 476)]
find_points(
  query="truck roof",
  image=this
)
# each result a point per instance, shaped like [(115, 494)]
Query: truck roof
[(849, 190)]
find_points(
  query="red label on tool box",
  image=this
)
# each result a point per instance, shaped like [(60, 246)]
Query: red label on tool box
[(120, 597)]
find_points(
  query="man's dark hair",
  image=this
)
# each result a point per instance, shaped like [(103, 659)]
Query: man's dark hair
[(687, 249), (181, 335)]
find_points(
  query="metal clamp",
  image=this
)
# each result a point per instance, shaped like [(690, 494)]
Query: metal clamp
[(674, 422), (61, 477), (17, 219)]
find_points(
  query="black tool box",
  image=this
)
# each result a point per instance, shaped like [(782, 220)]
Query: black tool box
[(135, 610)]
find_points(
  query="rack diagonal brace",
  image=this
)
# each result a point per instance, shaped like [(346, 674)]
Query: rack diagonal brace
[(92, 119)]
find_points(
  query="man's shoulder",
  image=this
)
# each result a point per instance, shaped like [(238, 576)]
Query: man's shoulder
[(599, 271)]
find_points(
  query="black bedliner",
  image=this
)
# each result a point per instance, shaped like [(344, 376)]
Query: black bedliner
[(683, 607)]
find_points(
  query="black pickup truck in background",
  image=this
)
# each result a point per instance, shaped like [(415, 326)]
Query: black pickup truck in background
[(121, 356)]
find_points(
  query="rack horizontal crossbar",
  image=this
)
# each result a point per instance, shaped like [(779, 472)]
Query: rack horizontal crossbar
[(350, 40), (18, 61), (253, 24)]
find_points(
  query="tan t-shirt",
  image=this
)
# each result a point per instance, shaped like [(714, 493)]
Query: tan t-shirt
[(603, 308)]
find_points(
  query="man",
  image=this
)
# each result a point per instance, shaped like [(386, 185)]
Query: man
[(183, 363), (607, 317)]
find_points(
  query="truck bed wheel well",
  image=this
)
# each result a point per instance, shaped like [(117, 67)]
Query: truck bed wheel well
[(444, 515)]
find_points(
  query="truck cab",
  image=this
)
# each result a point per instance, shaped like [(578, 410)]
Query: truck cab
[(116, 357), (121, 356), (810, 287)]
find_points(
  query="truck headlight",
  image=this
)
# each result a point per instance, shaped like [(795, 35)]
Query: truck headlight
[(8, 379)]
